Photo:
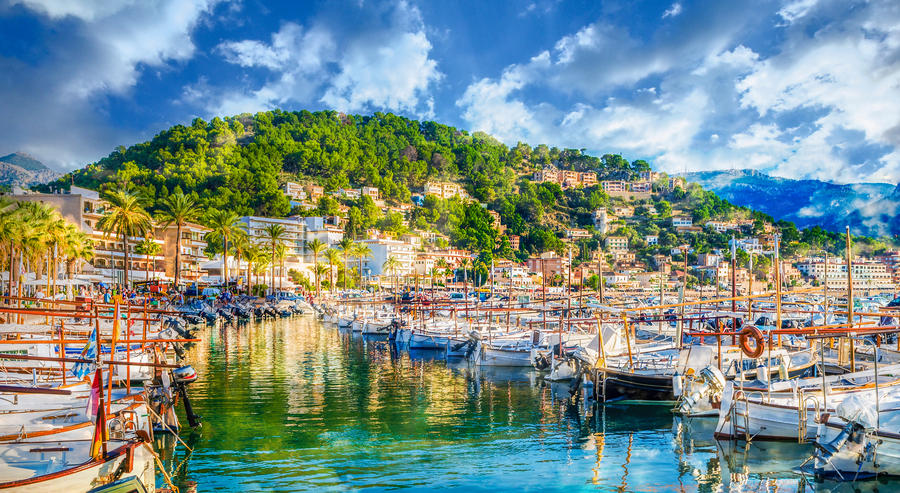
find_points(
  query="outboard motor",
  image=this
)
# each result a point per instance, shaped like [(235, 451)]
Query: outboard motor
[(183, 377), (709, 382)]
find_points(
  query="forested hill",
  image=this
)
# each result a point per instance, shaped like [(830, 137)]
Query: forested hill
[(240, 163), (237, 163)]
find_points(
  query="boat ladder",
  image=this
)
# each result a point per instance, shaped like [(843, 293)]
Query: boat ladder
[(740, 395), (802, 412)]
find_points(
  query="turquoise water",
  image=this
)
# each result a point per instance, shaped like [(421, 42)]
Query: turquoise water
[(292, 405)]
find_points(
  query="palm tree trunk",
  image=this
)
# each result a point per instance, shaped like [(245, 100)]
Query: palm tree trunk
[(225, 265), (272, 288), (12, 263), (316, 271), (125, 248), (177, 254)]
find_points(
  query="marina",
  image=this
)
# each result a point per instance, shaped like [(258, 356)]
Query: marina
[(538, 246)]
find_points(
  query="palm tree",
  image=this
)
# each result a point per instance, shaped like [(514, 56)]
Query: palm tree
[(275, 235), (125, 217), (78, 247), (316, 247), (261, 264), (333, 257), (360, 251), (150, 249), (224, 225), (251, 254), (346, 245), (319, 270), (241, 244), (441, 264), (391, 265), (280, 255), (178, 209), (11, 227)]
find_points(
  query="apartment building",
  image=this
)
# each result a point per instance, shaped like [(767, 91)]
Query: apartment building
[(193, 250), (445, 190), (679, 221), (867, 275), (84, 208), (293, 240), (617, 243), (383, 249), (294, 191), (565, 178)]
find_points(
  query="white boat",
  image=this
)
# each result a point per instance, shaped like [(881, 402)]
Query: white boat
[(791, 411), (66, 466), (860, 439)]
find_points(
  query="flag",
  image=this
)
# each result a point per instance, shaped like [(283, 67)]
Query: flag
[(96, 407), (89, 351)]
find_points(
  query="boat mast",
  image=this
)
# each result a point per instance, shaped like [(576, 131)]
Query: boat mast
[(733, 287), (850, 300), (778, 287)]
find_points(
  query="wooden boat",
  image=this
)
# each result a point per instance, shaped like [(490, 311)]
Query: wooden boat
[(67, 467)]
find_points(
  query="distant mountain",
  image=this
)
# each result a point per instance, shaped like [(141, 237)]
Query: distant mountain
[(868, 208), (19, 169)]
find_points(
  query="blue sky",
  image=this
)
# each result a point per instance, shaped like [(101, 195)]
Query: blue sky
[(797, 88)]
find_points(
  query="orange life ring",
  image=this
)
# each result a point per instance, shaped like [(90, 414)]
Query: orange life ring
[(751, 332)]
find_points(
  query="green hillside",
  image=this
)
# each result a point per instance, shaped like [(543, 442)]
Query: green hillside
[(239, 163)]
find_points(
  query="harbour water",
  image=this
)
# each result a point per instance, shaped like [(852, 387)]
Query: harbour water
[(292, 405)]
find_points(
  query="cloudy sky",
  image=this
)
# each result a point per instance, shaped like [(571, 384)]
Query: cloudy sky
[(797, 88)]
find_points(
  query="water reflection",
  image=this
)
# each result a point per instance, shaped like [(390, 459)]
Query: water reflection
[(291, 405)]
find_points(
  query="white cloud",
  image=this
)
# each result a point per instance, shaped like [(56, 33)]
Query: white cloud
[(379, 67), (87, 10), (824, 102), (394, 75), (672, 11), (100, 49), (796, 9)]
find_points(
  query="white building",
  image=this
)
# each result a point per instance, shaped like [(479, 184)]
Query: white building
[(867, 275), (749, 245), (601, 221), (383, 249), (617, 243), (681, 221)]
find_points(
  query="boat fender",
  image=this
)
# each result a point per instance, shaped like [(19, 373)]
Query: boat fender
[(677, 386), (751, 332)]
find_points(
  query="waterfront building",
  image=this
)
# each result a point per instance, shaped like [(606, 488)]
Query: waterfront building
[(84, 208), (383, 249), (193, 250), (867, 275)]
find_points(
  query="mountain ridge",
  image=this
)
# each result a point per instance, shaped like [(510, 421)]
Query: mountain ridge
[(868, 208), (21, 169)]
